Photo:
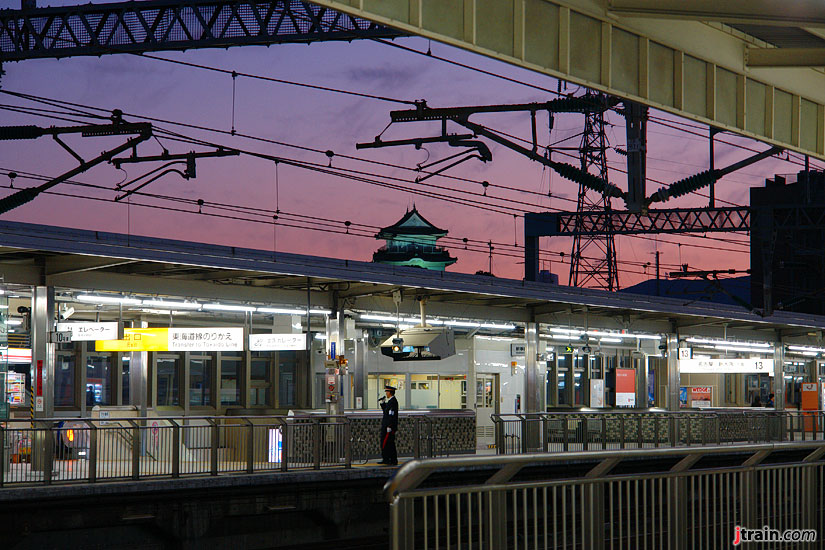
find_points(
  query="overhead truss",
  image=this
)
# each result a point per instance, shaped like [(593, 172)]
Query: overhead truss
[(154, 25)]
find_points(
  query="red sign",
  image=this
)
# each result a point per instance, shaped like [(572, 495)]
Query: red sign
[(39, 378), (625, 387), (701, 396)]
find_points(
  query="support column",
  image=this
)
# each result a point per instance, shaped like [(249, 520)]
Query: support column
[(42, 376), (779, 375), (641, 381), (42, 323), (672, 372), (585, 380), (470, 397), (531, 256), (358, 369), (139, 377), (553, 384), (533, 376)]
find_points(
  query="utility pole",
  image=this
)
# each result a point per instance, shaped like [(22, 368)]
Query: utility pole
[(658, 287)]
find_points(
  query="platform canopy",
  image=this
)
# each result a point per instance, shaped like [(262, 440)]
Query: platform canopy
[(753, 67)]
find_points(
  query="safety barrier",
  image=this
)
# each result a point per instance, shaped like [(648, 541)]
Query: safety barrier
[(617, 500), (581, 431), (94, 449)]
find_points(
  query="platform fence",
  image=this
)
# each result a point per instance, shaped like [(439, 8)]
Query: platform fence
[(606, 430), (89, 450), (673, 499)]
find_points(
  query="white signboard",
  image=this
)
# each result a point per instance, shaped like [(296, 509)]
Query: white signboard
[(596, 393), (625, 399), (684, 353), (86, 332), (206, 339), (277, 342), (726, 366), (518, 350), (275, 446)]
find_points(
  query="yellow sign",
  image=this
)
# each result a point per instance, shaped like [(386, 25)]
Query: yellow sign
[(137, 339)]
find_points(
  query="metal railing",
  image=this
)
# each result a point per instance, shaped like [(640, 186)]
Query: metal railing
[(617, 500), (604, 430), (91, 450)]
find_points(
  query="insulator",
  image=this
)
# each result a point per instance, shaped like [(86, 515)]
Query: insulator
[(20, 132), (583, 104), (18, 199), (587, 179), (685, 186)]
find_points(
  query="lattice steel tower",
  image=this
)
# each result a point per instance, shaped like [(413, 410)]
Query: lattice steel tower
[(593, 259)]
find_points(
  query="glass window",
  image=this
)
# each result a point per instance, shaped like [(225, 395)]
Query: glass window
[(168, 381), (451, 392), (98, 380), (287, 369), (375, 388), (200, 381), (423, 391), (64, 377), (230, 381), (124, 379), (260, 379)]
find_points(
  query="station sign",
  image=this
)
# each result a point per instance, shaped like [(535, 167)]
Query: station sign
[(726, 366), (518, 350), (176, 339), (87, 332), (277, 342)]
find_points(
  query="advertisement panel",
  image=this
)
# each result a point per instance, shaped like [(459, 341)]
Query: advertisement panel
[(625, 387), (596, 393), (701, 396)]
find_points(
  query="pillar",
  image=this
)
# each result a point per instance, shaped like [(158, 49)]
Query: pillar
[(358, 371), (533, 375), (139, 377), (672, 372), (43, 354), (42, 376), (779, 375)]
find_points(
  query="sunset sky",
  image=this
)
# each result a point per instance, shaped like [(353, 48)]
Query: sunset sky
[(323, 120)]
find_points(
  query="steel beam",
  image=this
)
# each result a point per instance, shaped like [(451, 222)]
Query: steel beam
[(803, 13), (677, 220), (785, 57), (158, 25)]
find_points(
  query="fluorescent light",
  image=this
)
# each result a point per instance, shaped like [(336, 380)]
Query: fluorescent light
[(566, 331), (4, 307), (810, 353), (806, 348), (171, 305), (14, 322), (227, 307), (472, 324), (319, 336), (108, 300), (743, 349), (729, 343), (292, 311), (611, 340)]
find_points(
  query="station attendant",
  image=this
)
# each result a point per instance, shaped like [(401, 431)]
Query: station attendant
[(389, 427)]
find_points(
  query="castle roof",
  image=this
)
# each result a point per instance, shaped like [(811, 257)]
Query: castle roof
[(413, 223)]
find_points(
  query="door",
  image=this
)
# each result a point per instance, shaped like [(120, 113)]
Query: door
[(487, 404)]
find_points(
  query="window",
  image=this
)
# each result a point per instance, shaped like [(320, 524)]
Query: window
[(375, 388), (124, 378), (287, 371), (168, 381), (230, 381), (260, 378), (423, 391), (200, 381), (64, 379), (98, 380)]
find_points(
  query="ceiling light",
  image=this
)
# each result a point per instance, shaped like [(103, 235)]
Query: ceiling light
[(171, 305), (729, 343), (227, 307), (566, 331), (743, 349), (108, 300), (292, 311), (806, 348), (14, 322), (611, 340)]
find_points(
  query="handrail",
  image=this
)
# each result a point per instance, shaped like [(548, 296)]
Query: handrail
[(410, 476)]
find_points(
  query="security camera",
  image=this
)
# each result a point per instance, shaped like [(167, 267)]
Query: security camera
[(66, 313), (23, 310)]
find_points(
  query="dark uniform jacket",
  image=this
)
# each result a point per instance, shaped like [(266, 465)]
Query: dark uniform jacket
[(390, 419)]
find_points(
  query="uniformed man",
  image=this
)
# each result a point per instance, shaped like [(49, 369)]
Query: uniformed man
[(389, 426)]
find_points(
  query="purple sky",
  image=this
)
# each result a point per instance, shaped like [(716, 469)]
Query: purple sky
[(324, 120)]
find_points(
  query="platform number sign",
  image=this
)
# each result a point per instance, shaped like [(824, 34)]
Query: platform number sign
[(684, 353)]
